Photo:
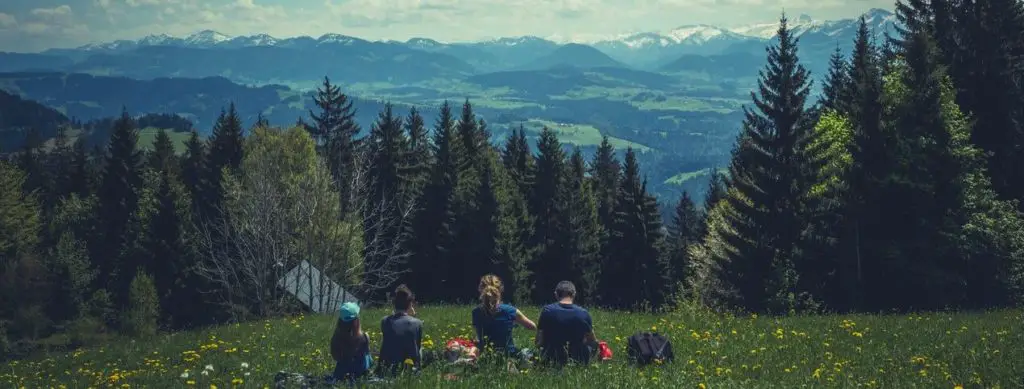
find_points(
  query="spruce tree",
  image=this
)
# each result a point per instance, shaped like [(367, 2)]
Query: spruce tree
[(515, 231), (225, 156), (167, 248), (162, 157), (605, 174), (385, 173), (762, 222), (545, 203), (605, 171), (61, 167), (518, 160), (637, 271), (715, 191), (984, 66), (836, 83), (584, 229), (192, 167), (482, 251), (418, 154), (334, 131), (433, 238), (829, 263), (82, 174), (31, 161), (687, 229), (118, 207)]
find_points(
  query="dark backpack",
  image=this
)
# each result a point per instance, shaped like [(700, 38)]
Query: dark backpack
[(645, 347)]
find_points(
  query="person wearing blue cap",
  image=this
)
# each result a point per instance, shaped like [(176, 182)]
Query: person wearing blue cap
[(350, 347)]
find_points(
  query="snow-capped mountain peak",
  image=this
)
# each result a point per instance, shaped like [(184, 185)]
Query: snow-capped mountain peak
[(335, 39), (424, 43), (515, 41), (697, 33), (253, 40), (156, 40), (206, 38)]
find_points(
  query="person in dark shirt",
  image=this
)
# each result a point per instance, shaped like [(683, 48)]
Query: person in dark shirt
[(494, 320), (565, 331), (402, 334), (350, 347)]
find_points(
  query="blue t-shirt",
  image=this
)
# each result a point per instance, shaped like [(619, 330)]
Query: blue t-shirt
[(495, 331), (564, 326), (356, 365)]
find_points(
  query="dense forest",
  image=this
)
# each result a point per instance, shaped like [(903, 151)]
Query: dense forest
[(895, 191)]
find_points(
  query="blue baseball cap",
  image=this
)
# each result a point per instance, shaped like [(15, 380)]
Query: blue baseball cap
[(349, 311)]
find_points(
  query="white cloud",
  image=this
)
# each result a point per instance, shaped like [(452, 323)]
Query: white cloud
[(105, 4), (136, 3), (57, 12), (7, 21)]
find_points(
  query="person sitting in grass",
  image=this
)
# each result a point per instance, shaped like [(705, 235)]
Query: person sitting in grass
[(494, 320), (565, 331), (402, 334), (350, 347)]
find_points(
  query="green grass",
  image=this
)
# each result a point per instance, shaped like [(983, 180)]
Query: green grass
[(682, 178), (579, 134), (916, 351), (148, 135)]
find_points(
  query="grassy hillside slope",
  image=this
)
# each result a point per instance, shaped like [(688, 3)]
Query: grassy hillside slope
[(916, 351)]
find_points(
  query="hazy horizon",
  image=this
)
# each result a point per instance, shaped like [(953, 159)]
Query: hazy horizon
[(36, 25)]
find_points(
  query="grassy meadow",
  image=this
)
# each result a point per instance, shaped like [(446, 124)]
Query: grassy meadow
[(933, 350)]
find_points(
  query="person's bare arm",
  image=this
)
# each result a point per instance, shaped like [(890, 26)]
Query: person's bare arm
[(525, 321)]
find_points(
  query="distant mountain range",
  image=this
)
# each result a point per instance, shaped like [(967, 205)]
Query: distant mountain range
[(262, 58)]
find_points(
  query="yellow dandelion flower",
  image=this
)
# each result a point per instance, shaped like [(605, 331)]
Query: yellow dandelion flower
[(408, 361)]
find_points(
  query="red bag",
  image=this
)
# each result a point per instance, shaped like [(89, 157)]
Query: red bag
[(461, 342), (604, 352)]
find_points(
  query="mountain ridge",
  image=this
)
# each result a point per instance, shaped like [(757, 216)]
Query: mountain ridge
[(689, 34)]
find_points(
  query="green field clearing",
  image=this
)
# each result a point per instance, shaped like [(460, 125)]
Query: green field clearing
[(148, 135), (932, 350), (579, 134), (682, 178)]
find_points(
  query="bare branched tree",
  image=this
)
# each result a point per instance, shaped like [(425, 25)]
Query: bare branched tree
[(383, 221), (282, 220)]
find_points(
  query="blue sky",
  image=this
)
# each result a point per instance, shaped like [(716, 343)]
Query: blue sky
[(33, 25)]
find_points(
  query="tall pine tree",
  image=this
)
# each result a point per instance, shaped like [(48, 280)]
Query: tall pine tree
[(834, 89), (118, 209), (224, 156), (385, 173), (334, 131), (584, 230), (686, 230), (549, 238), (433, 238), (637, 272), (756, 246)]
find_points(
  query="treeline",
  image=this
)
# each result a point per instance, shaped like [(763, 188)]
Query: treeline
[(895, 192)]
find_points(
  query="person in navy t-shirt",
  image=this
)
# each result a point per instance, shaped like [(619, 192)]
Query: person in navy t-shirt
[(494, 320), (565, 331)]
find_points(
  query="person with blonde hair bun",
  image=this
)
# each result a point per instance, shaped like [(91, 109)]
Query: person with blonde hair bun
[(494, 320)]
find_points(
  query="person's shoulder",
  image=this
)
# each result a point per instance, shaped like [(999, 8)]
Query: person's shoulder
[(550, 308), (508, 308)]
